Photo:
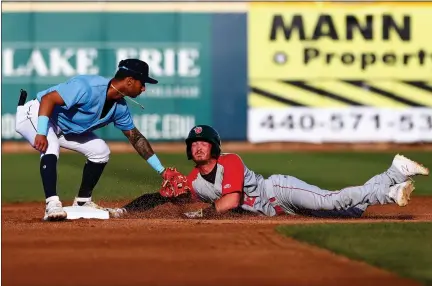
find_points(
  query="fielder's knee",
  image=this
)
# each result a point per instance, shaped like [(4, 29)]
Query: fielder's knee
[(53, 148), (101, 155)]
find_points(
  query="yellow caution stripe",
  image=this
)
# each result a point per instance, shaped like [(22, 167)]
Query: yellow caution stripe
[(422, 85), (341, 93), (265, 94), (378, 88), (412, 95), (259, 100), (328, 97), (297, 94), (356, 93)]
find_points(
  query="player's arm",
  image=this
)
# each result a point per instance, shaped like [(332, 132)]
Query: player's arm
[(221, 206), (66, 94), (232, 186), (227, 202), (47, 104), (144, 149), (139, 142)]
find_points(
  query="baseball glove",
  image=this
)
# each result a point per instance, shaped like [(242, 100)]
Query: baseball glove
[(174, 184)]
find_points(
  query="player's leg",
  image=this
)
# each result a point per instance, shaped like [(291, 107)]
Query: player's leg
[(400, 170), (390, 177), (351, 212), (26, 126), (97, 154), (146, 202), (391, 186), (301, 197)]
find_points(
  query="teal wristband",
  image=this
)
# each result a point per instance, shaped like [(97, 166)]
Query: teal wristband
[(155, 163), (42, 126)]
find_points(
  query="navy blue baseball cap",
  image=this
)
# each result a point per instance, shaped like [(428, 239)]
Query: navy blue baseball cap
[(137, 69)]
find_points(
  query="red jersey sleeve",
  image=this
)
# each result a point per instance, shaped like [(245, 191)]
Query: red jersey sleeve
[(192, 177), (233, 176)]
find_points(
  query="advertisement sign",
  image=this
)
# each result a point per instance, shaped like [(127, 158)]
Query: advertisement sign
[(320, 125), (345, 41), (370, 58), (44, 49)]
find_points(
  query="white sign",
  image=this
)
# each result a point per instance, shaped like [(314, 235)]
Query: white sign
[(350, 125), (24, 62), (57, 63), (180, 62)]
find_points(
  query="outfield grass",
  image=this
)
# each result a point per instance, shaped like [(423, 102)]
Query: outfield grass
[(403, 248), (127, 175)]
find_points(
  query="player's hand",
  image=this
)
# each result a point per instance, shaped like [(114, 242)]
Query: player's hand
[(41, 143), (164, 174)]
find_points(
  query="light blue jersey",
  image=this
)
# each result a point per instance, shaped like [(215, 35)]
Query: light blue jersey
[(84, 98)]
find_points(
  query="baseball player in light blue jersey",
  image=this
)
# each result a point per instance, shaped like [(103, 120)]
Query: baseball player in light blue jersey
[(66, 115), (225, 182)]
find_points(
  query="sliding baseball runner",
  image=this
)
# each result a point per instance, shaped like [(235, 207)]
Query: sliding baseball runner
[(225, 182)]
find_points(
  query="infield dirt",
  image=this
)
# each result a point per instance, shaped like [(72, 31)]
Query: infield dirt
[(158, 247)]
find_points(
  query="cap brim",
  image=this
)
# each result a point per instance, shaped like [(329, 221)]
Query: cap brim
[(149, 80)]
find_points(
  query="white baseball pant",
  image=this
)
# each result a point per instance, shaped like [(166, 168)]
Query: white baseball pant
[(88, 144)]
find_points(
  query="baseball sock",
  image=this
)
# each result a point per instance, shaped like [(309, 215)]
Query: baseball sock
[(48, 171), (91, 174)]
